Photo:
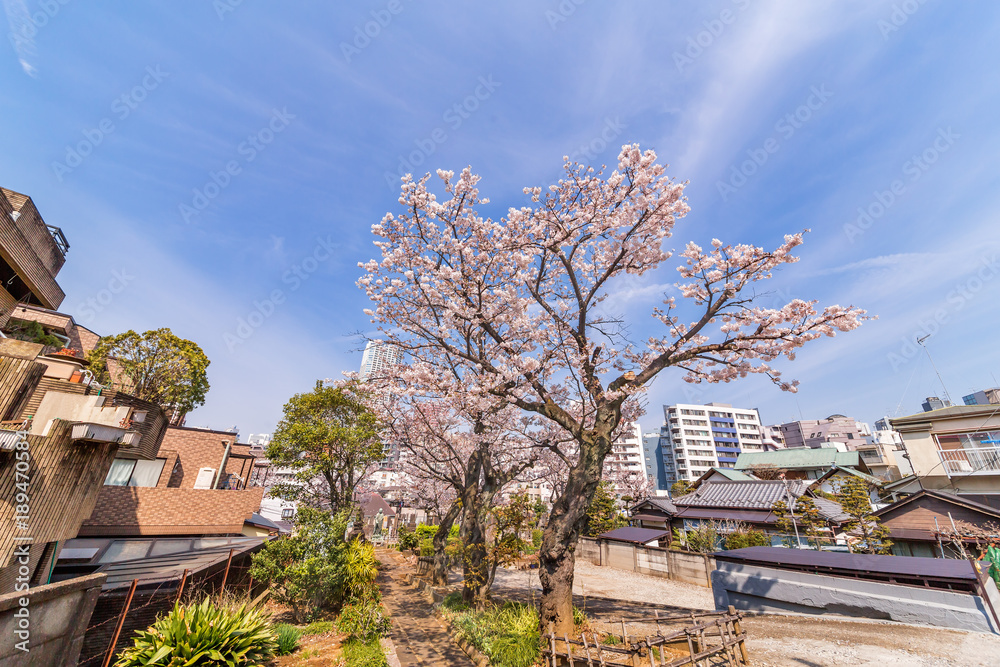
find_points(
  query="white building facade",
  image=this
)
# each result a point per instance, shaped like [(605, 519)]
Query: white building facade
[(378, 357), (701, 437)]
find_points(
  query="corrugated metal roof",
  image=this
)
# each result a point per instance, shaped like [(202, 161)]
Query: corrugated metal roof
[(754, 494), (799, 457), (634, 535)]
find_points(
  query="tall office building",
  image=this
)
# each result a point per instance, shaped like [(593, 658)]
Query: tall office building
[(696, 438), (377, 357)]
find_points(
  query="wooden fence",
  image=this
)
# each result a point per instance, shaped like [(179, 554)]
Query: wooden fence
[(712, 638)]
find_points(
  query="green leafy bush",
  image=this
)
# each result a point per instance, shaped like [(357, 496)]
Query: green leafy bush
[(703, 539), (365, 620), (307, 571), (318, 628), (427, 547), (750, 537), (408, 539), (204, 634), (360, 654), (424, 531), (508, 635), (288, 638)]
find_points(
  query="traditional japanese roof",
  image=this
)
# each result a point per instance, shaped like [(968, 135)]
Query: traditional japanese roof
[(752, 494), (800, 457), (634, 535), (662, 504), (952, 498), (850, 471)]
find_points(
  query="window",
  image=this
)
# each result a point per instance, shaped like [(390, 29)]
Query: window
[(120, 472), (288, 513), (130, 472)]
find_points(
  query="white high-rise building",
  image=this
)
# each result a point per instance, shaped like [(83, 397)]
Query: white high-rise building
[(377, 357), (701, 437)]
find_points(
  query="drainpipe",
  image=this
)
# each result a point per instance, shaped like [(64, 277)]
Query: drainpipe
[(222, 466)]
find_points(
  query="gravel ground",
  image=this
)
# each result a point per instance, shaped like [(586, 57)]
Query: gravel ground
[(780, 641), (616, 584)]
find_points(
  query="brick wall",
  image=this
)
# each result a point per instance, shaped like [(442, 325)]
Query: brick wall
[(80, 337), (132, 510), (200, 448)]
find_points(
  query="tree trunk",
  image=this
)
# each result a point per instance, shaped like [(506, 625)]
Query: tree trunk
[(478, 500), (557, 555), (439, 575)]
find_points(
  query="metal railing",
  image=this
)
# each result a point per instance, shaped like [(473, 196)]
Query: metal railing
[(971, 461)]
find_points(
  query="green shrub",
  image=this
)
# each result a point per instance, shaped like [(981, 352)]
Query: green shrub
[(204, 634), (750, 537), (318, 628), (308, 570), (508, 635), (360, 654), (424, 531), (364, 620), (407, 539), (536, 538), (427, 547), (703, 539), (360, 569), (288, 638)]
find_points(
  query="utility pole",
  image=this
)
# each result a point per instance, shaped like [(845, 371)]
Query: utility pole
[(920, 342)]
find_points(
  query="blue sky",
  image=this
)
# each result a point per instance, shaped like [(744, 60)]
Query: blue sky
[(240, 151)]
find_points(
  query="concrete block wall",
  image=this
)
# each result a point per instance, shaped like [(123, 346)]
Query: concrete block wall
[(57, 619), (764, 589), (692, 568)]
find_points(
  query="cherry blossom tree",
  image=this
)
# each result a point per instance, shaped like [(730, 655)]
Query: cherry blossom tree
[(515, 302)]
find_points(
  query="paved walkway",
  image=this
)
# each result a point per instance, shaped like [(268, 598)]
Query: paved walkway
[(420, 636)]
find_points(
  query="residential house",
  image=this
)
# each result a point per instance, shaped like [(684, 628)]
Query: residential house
[(802, 462), (919, 523), (750, 503), (953, 450), (824, 432), (197, 485)]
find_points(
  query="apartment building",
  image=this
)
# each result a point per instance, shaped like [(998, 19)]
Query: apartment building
[(985, 397), (696, 438), (834, 430), (377, 357), (31, 255)]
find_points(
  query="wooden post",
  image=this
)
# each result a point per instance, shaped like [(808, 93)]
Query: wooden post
[(180, 590), (737, 627), (569, 651), (121, 622), (226, 575), (586, 648), (552, 643), (600, 652)]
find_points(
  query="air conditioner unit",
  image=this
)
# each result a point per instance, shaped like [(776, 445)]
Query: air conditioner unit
[(205, 479), (959, 466)]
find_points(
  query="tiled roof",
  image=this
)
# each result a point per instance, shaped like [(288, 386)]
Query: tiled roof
[(635, 535), (799, 457), (754, 494), (659, 503)]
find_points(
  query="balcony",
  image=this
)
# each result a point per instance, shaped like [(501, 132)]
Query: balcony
[(971, 461), (102, 433)]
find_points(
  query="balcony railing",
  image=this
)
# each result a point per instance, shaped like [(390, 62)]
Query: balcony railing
[(971, 461)]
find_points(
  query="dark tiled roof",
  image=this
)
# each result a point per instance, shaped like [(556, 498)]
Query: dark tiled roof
[(664, 504), (757, 494)]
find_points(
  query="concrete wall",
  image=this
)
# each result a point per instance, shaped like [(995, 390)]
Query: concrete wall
[(692, 568), (763, 589), (58, 615)]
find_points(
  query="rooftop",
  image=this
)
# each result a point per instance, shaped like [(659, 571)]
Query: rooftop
[(800, 457), (753, 494)]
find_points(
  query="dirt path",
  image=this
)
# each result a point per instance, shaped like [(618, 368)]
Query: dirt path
[(420, 637)]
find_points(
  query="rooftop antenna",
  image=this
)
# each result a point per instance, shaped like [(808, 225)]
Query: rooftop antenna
[(920, 342)]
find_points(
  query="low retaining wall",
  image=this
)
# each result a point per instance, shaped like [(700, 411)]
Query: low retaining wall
[(763, 589), (692, 568), (56, 621)]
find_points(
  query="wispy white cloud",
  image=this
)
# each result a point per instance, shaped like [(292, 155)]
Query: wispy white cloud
[(22, 34)]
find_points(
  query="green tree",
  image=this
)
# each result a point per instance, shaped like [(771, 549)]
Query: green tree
[(603, 513), (805, 519), (873, 537), (306, 571), (156, 366), (681, 487), (330, 437)]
